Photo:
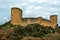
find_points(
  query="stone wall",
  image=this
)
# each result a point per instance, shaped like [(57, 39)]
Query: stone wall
[(16, 19), (16, 16), (53, 20)]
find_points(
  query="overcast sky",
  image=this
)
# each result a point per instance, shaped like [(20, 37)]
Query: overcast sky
[(31, 8)]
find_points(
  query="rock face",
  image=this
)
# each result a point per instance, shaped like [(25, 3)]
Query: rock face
[(16, 19)]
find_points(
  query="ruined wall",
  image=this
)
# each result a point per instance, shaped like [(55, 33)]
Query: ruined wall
[(28, 21), (46, 23), (16, 19), (40, 20)]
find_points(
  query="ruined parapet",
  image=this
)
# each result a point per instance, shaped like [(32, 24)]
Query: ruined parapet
[(53, 20), (40, 20), (46, 23), (16, 16), (29, 21)]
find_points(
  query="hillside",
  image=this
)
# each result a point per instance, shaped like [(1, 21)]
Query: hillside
[(16, 32)]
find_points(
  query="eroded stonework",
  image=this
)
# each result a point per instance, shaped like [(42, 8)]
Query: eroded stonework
[(16, 19)]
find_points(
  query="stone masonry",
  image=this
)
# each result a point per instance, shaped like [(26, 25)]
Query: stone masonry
[(16, 19)]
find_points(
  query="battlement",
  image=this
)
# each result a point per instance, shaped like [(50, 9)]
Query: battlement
[(16, 19)]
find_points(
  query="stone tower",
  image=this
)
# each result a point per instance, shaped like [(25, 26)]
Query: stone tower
[(16, 18), (53, 20)]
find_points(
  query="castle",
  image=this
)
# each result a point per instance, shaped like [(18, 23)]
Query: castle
[(16, 19)]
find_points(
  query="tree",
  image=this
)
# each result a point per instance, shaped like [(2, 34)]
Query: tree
[(36, 30)]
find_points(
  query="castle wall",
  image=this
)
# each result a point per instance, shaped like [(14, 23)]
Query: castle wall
[(16, 19), (40, 20), (46, 23), (30, 21)]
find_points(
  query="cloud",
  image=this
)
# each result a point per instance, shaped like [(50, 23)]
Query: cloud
[(28, 11), (55, 2), (31, 7), (18, 4), (23, 4), (53, 9), (40, 1), (3, 6), (55, 13), (38, 7)]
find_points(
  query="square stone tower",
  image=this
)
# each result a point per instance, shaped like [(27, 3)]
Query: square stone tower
[(16, 16), (53, 20)]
